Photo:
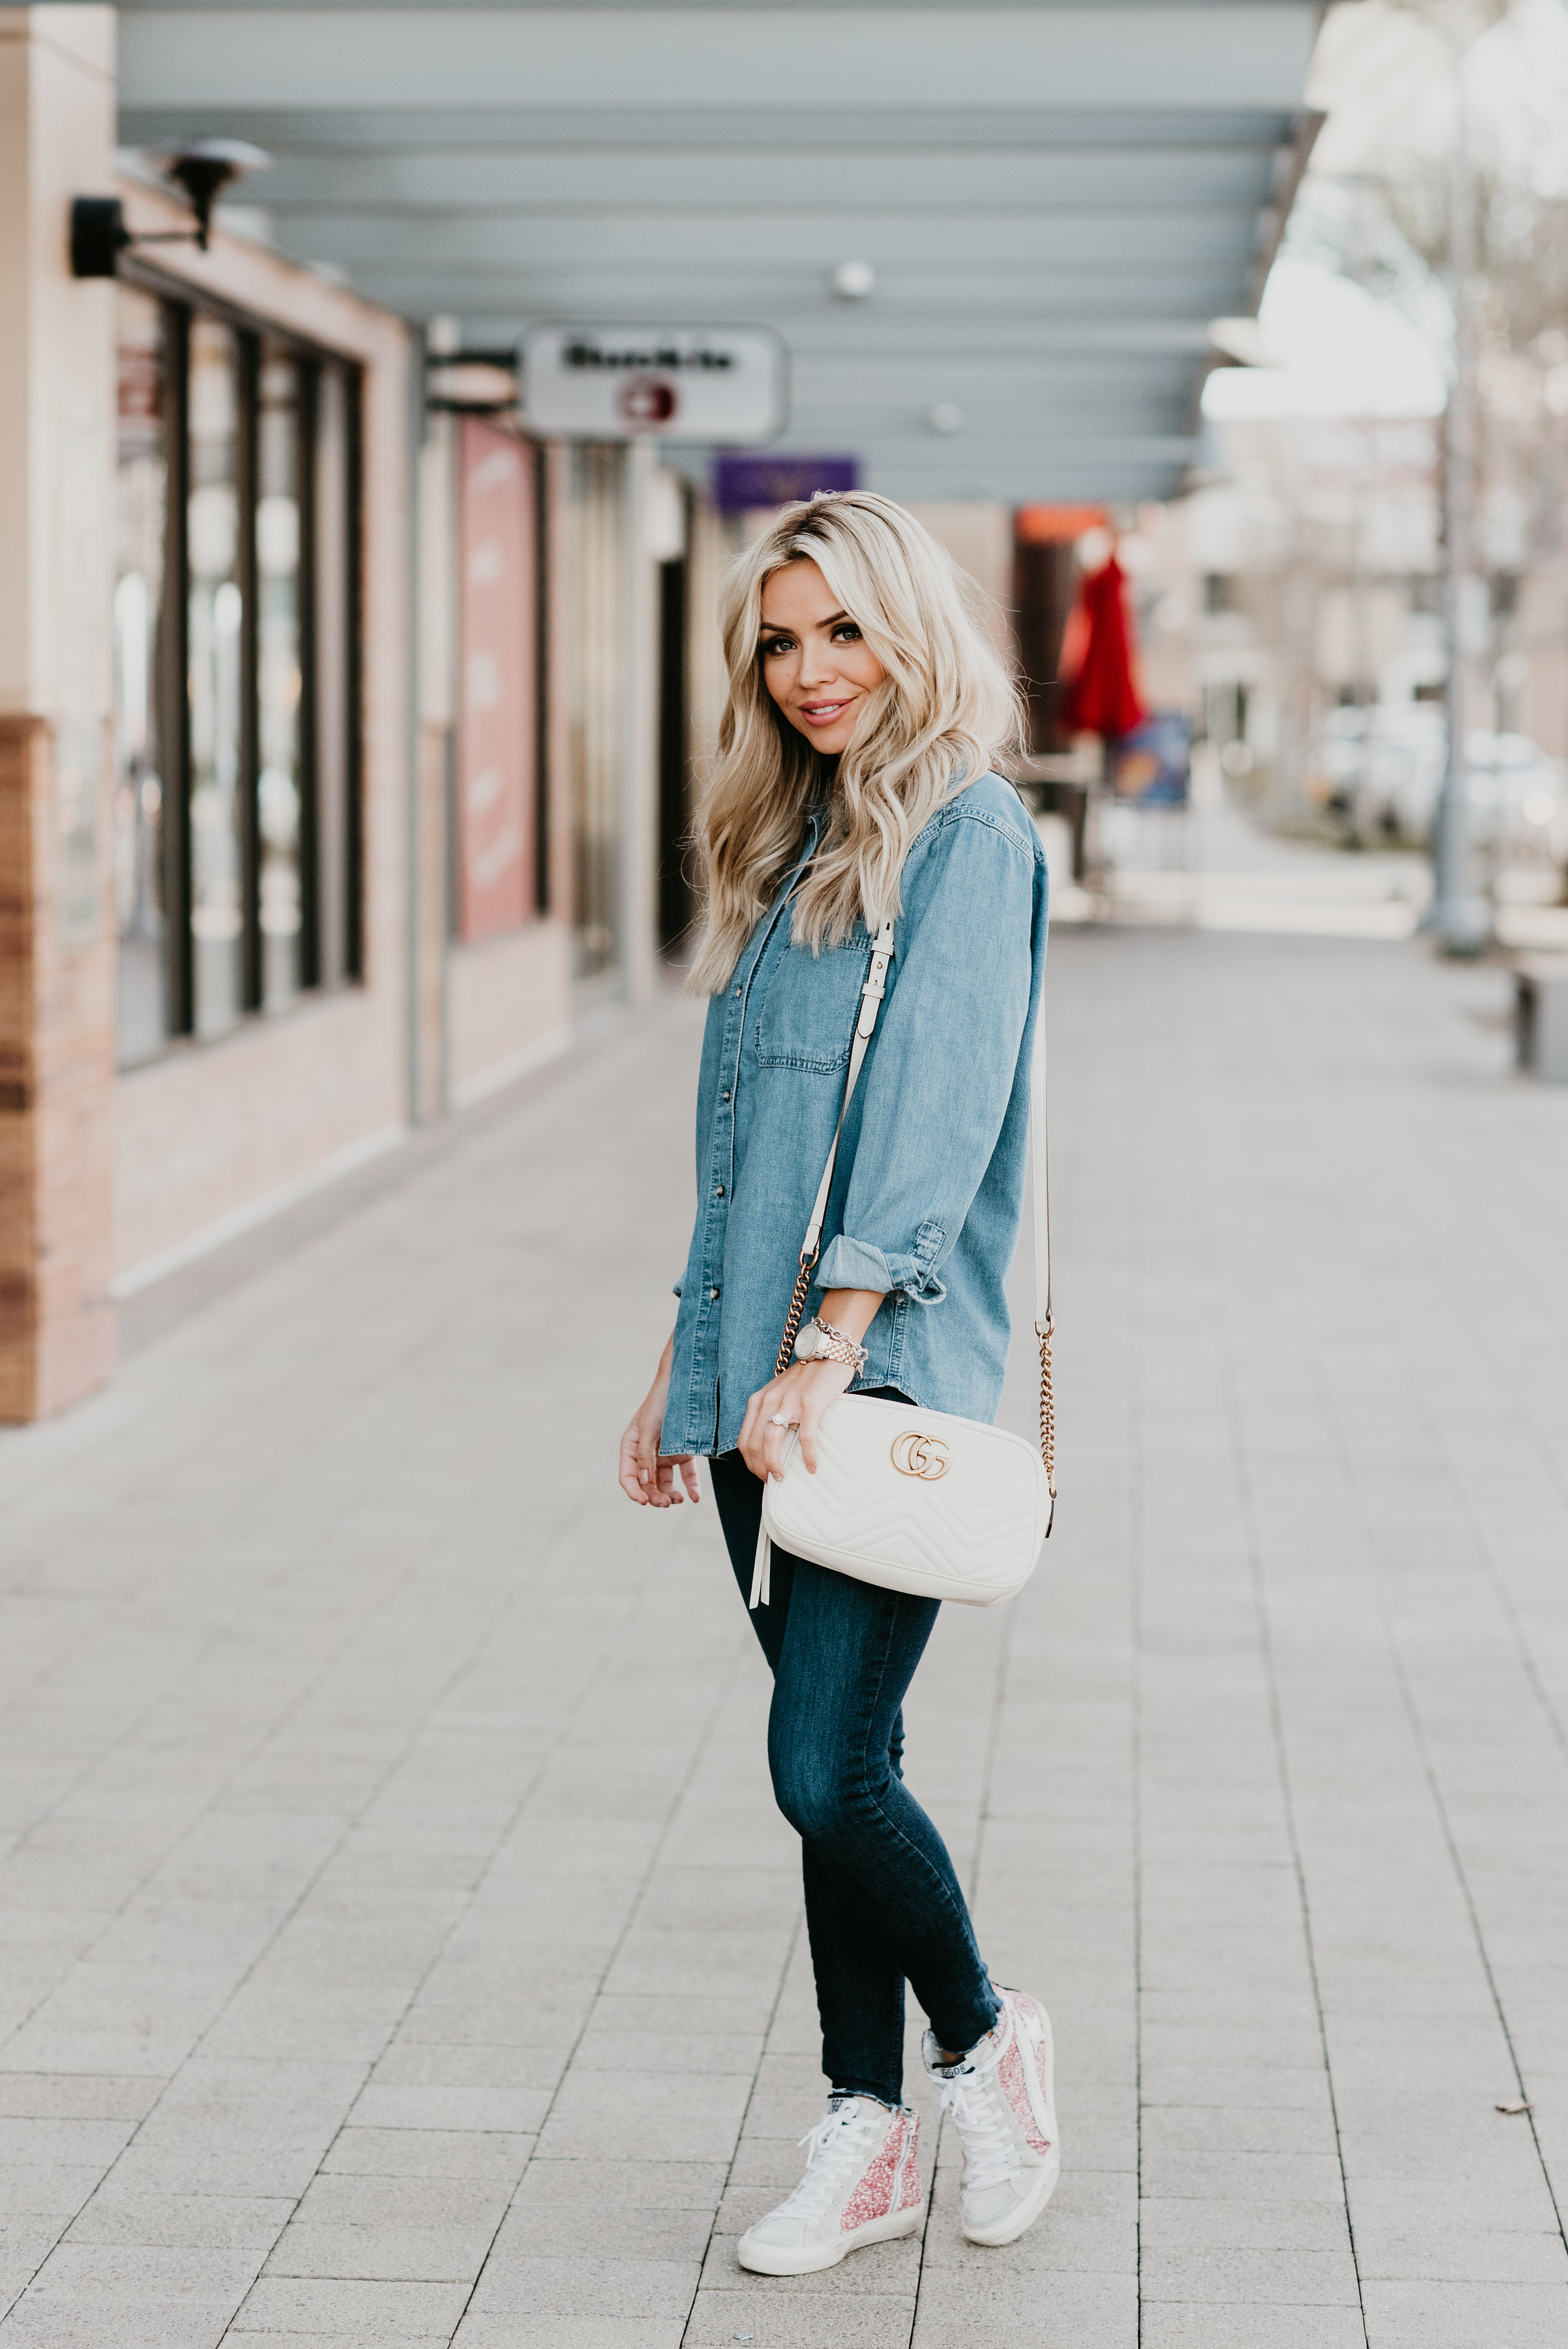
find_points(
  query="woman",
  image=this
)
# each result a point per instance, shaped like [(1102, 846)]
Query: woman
[(865, 704)]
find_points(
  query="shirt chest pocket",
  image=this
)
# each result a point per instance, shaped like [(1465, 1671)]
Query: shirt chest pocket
[(811, 1003)]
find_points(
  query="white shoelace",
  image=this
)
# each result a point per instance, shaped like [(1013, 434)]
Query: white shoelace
[(990, 2150), (840, 2145)]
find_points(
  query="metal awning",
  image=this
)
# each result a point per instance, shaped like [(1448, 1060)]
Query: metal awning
[(1055, 201)]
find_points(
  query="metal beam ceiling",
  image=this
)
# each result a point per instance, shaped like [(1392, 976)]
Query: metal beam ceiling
[(1055, 200)]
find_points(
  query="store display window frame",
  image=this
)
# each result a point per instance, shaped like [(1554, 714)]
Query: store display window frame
[(327, 593)]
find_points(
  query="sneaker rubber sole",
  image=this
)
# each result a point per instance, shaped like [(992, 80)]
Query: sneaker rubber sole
[(805, 2258)]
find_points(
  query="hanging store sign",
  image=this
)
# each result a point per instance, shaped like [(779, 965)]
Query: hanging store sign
[(662, 383), (744, 483), (498, 726)]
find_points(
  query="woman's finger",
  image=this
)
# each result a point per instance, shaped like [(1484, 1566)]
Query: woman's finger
[(632, 1482), (779, 1437), (654, 1485), (809, 1417), (688, 1467)]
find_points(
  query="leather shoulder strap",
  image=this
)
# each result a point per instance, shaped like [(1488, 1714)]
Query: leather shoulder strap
[(871, 997)]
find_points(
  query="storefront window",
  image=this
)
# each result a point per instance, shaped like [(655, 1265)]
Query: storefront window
[(279, 676), (236, 634), (215, 622), (333, 871), (141, 521)]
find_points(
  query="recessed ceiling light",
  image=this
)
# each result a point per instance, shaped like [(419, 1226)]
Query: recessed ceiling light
[(854, 280)]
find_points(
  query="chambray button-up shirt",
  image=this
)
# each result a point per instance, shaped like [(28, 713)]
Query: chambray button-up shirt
[(928, 1191)]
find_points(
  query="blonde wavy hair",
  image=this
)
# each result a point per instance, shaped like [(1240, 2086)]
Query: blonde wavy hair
[(947, 710)]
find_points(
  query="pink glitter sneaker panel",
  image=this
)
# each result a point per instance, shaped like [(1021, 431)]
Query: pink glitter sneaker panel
[(888, 2174), (1013, 2085)]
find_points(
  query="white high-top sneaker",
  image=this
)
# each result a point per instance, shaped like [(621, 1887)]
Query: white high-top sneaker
[(1001, 2098), (862, 2185)]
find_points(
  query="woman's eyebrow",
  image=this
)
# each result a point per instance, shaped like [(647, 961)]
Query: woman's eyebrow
[(778, 628)]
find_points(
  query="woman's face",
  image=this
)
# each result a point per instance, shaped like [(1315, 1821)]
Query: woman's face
[(816, 663)]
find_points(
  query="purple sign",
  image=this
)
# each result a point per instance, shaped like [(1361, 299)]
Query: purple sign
[(741, 479)]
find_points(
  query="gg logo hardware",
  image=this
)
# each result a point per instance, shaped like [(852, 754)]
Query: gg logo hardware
[(914, 1455)]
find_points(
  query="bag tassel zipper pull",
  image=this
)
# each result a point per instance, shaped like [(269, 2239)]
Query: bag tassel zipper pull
[(762, 1570)]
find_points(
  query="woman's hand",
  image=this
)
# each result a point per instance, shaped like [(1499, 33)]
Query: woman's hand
[(805, 1389), (645, 1478), (800, 1397)]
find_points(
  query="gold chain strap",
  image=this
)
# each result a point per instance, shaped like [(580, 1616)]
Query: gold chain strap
[(1047, 1413), (796, 1308)]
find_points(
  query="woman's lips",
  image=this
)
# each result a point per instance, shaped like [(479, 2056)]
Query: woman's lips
[(823, 713)]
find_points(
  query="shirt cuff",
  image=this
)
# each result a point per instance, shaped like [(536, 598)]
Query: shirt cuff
[(855, 1264)]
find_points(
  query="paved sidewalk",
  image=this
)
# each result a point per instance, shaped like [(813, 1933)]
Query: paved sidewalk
[(398, 1943)]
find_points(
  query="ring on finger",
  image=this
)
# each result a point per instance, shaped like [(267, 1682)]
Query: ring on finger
[(778, 1419)]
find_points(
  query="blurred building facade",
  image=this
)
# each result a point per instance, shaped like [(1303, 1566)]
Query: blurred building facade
[(351, 720)]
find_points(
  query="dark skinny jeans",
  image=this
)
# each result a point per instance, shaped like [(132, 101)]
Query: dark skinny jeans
[(882, 1901)]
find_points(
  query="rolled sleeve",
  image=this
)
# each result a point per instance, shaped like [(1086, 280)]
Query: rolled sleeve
[(849, 1263)]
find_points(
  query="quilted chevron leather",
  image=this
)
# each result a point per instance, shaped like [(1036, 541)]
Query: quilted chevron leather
[(972, 1534)]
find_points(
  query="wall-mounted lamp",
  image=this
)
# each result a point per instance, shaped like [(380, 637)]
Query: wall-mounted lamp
[(202, 168), (472, 383)]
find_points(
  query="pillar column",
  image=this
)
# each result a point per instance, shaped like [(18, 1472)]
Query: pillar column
[(57, 920)]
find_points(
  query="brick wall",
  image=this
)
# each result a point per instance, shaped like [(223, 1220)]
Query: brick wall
[(57, 1109)]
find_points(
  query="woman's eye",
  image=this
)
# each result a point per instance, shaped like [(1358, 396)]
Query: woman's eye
[(846, 632), (772, 645)]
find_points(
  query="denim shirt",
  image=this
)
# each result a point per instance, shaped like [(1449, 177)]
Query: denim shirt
[(928, 1190)]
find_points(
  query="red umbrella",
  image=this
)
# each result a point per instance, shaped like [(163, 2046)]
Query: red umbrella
[(1099, 693)]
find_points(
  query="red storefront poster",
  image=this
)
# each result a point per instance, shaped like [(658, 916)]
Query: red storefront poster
[(497, 727)]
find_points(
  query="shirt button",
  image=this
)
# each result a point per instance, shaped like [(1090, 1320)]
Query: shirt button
[(718, 1190), (737, 995), (723, 1097), (713, 1292)]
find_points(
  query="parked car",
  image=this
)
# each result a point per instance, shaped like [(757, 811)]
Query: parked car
[(1378, 772)]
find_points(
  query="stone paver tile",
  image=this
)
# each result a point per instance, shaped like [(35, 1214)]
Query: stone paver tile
[(1448, 2315), (587, 2285), (796, 2322), (426, 2153), (1230, 2273), (498, 2110), (587, 2184), (49, 2189), (344, 2198), (1010, 2303), (411, 2062), (287, 2305), (526, 2331), (557, 2227), (1462, 2255), (42, 2323), (388, 2253), (33, 2095), (672, 2117), (199, 2222), (1191, 2324), (1214, 2224)]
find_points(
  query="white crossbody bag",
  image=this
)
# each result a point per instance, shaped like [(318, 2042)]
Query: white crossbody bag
[(920, 1501)]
